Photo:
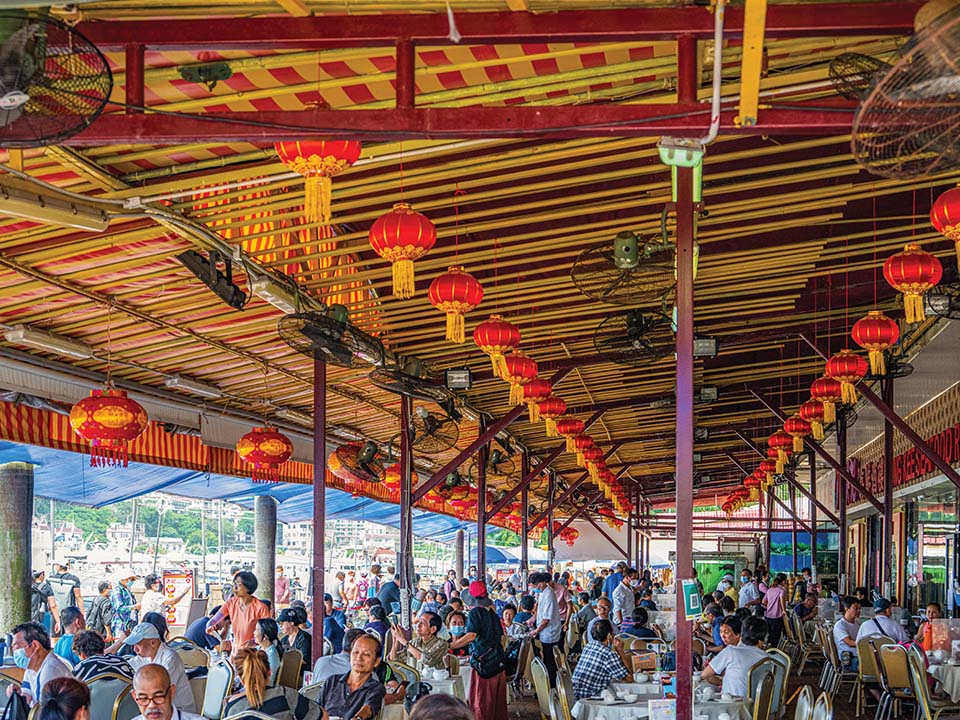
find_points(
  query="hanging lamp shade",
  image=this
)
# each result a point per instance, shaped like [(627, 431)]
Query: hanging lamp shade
[(798, 428), (569, 428), (551, 408), (812, 412), (266, 449), (783, 444), (496, 337), (318, 161), (912, 272), (875, 333), (108, 420), (518, 370), (829, 392), (402, 236), (533, 392), (455, 293), (945, 217), (847, 368)]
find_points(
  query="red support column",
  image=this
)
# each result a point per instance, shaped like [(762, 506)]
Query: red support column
[(482, 456), (886, 544), (133, 79), (405, 557), (319, 499), (406, 87)]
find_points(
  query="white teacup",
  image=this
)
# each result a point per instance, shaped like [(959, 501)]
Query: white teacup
[(631, 697), (608, 696), (439, 674), (706, 693), (724, 716), (641, 677)]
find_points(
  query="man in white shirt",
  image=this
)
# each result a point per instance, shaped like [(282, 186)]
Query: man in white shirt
[(749, 592), (32, 653), (154, 694), (845, 631), (624, 600), (882, 624), (549, 626), (734, 662), (151, 650)]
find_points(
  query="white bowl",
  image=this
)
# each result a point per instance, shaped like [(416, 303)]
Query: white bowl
[(641, 677), (631, 697)]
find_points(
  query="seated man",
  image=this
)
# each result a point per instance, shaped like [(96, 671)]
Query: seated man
[(730, 667), (71, 618), (154, 695), (603, 613), (845, 631), (150, 649), (32, 652), (601, 661), (90, 648), (882, 624), (358, 693), (807, 610), (338, 663), (711, 634), (197, 632), (425, 647)]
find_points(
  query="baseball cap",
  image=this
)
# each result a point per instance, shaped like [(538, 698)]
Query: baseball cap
[(289, 615), (478, 589), (881, 604), (327, 597), (143, 631)]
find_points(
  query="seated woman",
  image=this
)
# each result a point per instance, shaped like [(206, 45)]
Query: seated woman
[(65, 698), (378, 621), (511, 628), (457, 626), (639, 627), (278, 702), (359, 693), (266, 633)]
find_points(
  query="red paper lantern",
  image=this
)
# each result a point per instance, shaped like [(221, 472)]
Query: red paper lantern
[(266, 449), (875, 333), (318, 161), (402, 236), (533, 392), (461, 506), (581, 443), (829, 392), (455, 293), (798, 428), (496, 337), (812, 412), (108, 419), (768, 468), (783, 444), (752, 481), (569, 428), (847, 368), (391, 478), (518, 371), (945, 216), (912, 272), (591, 456), (551, 408)]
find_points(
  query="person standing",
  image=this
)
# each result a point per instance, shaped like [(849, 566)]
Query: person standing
[(70, 585), (800, 587), (242, 609), (775, 604), (614, 579), (100, 614), (624, 598), (389, 594), (749, 592), (125, 605), (43, 603), (549, 626), (482, 635), (281, 588)]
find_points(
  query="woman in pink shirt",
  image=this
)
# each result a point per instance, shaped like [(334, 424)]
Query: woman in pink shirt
[(775, 602)]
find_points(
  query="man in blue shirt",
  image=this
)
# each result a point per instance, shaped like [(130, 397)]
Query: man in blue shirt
[(332, 629), (614, 579), (197, 632)]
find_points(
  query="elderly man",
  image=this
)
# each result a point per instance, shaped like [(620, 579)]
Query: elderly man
[(604, 606), (882, 624), (155, 695), (602, 661), (339, 663), (359, 693), (150, 649), (91, 649), (32, 653), (425, 647)]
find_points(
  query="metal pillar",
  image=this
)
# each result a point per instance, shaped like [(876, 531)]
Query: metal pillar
[(134, 78), (405, 558), (886, 540), (687, 82), (551, 491), (265, 535), (793, 535), (482, 456), (458, 556), (842, 506), (16, 538), (319, 500), (524, 536)]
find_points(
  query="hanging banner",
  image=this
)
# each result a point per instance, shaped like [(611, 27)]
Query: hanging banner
[(692, 608)]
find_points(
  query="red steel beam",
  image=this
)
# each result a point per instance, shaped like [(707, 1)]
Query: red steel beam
[(823, 117), (610, 540), (647, 24), (579, 512), (555, 504)]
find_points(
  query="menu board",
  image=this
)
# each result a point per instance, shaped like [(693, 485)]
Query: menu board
[(174, 583)]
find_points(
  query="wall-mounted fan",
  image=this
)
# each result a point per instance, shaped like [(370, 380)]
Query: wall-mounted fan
[(631, 270), (356, 462), (634, 338), (943, 301), (53, 81), (500, 467), (432, 433), (896, 366), (453, 487), (329, 337), (409, 376), (854, 74)]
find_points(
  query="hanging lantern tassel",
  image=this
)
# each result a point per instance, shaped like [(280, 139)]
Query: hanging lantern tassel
[(798, 444), (317, 189), (579, 457), (570, 446), (877, 364), (595, 475), (781, 461), (551, 426), (849, 393), (829, 413), (533, 411), (913, 308), (455, 333), (516, 394), (817, 428), (109, 453)]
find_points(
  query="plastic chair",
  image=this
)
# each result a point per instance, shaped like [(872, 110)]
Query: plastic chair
[(806, 649), (788, 638), (407, 672), (219, 685), (560, 659), (568, 697), (105, 693), (927, 708), (869, 667), (289, 674), (541, 683), (199, 687), (838, 676), (328, 648), (781, 675), (249, 715), (896, 680), (556, 709), (518, 684), (126, 708), (763, 702), (193, 656), (823, 708), (453, 664), (312, 692), (804, 707)]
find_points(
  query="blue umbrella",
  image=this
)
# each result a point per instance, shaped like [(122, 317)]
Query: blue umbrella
[(495, 556)]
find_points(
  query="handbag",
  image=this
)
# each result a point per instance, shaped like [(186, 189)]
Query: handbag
[(489, 663), (16, 708)]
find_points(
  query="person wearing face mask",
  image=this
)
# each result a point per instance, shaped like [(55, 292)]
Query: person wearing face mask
[(624, 598), (125, 605), (33, 653), (749, 592), (601, 662), (457, 626), (549, 627)]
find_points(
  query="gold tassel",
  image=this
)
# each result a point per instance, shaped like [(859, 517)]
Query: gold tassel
[(404, 285), (516, 394), (877, 364), (797, 444), (496, 364), (316, 202), (848, 393), (570, 446), (817, 428), (455, 332), (957, 248), (551, 426), (595, 476), (500, 368), (579, 458), (769, 480), (913, 307), (829, 412), (533, 411), (781, 462)]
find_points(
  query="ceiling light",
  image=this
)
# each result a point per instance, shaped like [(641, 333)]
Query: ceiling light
[(701, 433), (707, 347), (179, 382), (697, 457), (25, 201), (278, 295), (708, 393), (43, 340), (458, 378), (295, 416)]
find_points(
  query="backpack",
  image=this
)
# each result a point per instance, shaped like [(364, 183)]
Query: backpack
[(95, 617), (38, 601)]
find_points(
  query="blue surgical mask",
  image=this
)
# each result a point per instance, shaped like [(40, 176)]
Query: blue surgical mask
[(457, 630), (535, 591), (20, 658)]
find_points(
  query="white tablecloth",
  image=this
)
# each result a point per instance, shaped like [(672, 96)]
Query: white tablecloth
[(466, 673), (647, 688), (397, 711), (949, 678), (450, 686), (709, 710)]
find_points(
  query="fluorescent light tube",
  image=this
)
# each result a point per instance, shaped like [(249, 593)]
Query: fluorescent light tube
[(276, 294), (295, 416), (179, 382), (43, 340), (24, 201)]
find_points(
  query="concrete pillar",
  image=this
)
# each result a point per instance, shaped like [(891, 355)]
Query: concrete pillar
[(458, 554), (16, 511), (265, 535)]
